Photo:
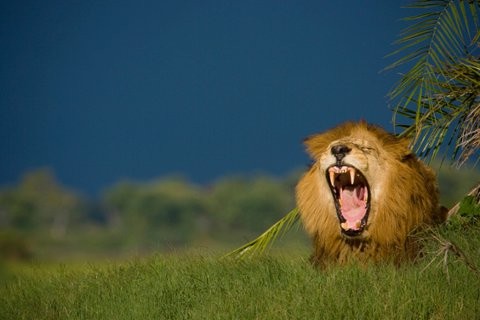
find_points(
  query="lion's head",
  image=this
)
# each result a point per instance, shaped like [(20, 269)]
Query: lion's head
[(364, 194)]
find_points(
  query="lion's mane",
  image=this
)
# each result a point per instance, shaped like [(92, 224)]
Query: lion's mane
[(403, 196)]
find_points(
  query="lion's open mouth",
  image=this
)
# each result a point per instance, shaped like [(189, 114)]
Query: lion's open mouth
[(352, 198)]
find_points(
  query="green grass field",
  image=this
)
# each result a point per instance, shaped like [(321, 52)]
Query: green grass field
[(203, 286)]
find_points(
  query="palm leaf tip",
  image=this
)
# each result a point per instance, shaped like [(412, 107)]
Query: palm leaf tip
[(266, 239)]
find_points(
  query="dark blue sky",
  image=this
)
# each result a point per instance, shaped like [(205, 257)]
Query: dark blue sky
[(101, 91)]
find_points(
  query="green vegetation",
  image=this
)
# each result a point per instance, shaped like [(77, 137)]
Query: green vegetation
[(443, 285), (40, 219)]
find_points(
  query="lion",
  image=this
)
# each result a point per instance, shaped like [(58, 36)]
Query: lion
[(364, 195)]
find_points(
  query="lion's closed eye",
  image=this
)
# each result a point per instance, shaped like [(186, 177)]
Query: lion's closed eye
[(367, 149)]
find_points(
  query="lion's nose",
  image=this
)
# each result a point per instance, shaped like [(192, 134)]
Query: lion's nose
[(339, 151)]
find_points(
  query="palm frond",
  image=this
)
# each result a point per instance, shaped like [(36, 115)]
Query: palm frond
[(266, 239), (439, 95)]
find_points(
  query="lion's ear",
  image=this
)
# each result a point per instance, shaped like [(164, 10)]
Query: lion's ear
[(309, 143), (407, 156), (315, 145), (403, 148)]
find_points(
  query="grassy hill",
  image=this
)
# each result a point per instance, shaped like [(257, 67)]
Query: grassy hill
[(445, 284)]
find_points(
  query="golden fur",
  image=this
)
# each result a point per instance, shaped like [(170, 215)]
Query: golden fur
[(403, 196)]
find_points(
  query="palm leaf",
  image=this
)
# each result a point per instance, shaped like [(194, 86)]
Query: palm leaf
[(266, 239), (437, 100)]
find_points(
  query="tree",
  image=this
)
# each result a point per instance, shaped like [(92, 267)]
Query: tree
[(437, 101), (166, 210), (37, 202), (248, 204)]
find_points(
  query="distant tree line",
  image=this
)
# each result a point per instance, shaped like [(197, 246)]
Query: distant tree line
[(166, 213), (40, 217)]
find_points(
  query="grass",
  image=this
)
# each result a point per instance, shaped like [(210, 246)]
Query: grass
[(202, 286)]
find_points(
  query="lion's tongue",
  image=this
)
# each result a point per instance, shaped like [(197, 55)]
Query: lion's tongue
[(352, 201)]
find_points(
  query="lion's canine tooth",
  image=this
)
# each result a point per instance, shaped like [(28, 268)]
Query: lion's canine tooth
[(344, 226), (358, 224), (332, 178), (352, 175)]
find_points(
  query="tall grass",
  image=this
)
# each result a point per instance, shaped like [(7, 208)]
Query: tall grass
[(276, 287)]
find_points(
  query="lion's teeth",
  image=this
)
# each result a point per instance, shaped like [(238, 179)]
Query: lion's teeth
[(332, 178), (352, 175), (358, 224), (344, 226)]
